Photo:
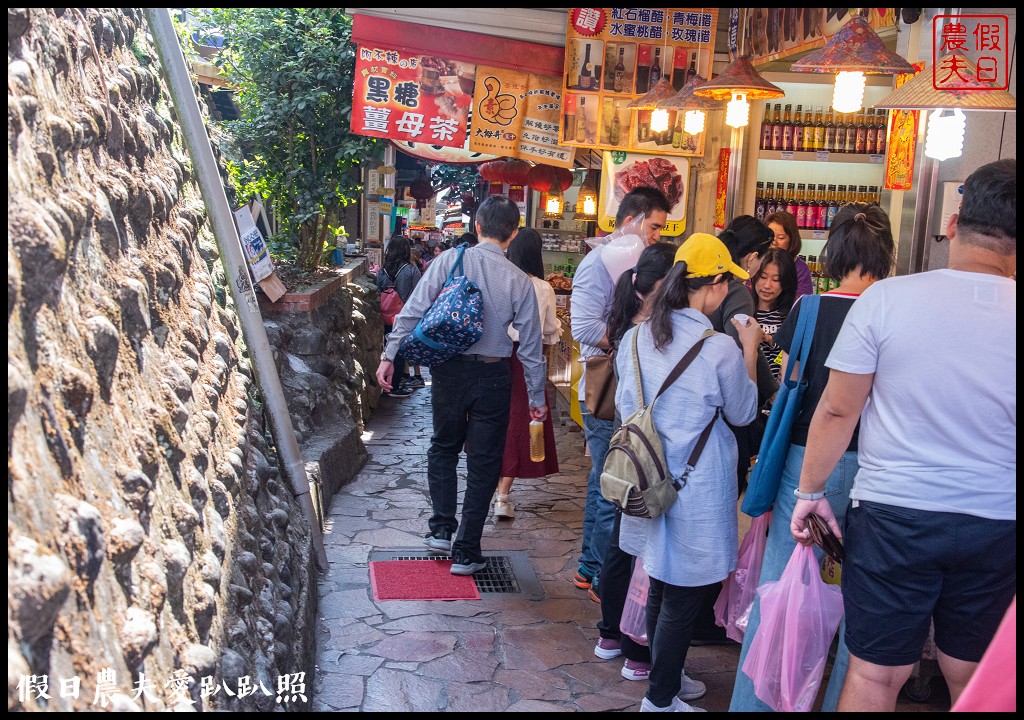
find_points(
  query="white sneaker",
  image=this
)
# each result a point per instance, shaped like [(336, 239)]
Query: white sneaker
[(690, 689), (503, 507), (676, 706)]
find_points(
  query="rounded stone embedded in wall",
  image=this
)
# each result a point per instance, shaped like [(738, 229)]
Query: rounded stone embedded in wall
[(125, 539), (138, 635), (39, 246), (17, 22), (84, 541), (38, 584), (103, 342), (176, 559), (136, 489)]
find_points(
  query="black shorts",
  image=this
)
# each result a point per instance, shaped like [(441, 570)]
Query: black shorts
[(906, 568)]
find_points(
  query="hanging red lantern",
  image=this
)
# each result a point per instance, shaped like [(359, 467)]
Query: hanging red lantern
[(491, 170), (516, 172), (544, 178), (421, 190)]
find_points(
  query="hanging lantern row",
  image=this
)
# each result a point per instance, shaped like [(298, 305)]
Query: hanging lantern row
[(421, 190), (510, 172), (546, 178)]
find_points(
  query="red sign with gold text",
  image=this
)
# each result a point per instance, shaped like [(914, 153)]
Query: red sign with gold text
[(899, 156), (413, 98)]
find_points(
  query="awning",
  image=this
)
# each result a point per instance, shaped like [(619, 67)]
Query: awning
[(458, 45)]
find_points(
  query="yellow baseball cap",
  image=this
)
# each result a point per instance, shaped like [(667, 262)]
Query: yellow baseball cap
[(707, 256)]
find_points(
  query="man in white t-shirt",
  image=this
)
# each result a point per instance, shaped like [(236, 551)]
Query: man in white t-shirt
[(930, 361)]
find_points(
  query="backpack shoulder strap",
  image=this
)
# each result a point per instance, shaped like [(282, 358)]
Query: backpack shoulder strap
[(457, 265), (684, 363), (636, 369)]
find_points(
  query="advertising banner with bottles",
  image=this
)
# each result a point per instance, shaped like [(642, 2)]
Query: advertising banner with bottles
[(411, 98), (616, 55), (515, 114)]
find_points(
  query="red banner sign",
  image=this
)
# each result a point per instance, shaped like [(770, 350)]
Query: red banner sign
[(412, 98)]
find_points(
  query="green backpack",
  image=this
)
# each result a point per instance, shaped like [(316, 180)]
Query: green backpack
[(635, 477)]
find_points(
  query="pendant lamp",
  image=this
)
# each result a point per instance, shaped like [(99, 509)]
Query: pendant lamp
[(693, 105), (738, 83), (854, 50), (952, 88), (586, 199), (661, 91)]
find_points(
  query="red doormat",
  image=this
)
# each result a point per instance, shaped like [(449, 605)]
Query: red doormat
[(420, 580)]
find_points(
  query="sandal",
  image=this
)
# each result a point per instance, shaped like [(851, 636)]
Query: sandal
[(503, 507)]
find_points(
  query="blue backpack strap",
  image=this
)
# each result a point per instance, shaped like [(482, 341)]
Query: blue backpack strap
[(457, 265)]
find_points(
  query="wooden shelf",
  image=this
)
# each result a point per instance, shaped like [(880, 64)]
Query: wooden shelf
[(821, 156)]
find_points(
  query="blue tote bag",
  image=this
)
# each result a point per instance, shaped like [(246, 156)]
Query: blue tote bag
[(771, 458), (452, 324)]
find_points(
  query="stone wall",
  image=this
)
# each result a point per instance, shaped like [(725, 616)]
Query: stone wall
[(154, 550)]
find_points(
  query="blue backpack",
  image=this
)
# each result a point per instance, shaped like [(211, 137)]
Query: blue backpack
[(452, 324)]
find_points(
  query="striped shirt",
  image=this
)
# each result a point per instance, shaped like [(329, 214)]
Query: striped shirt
[(770, 322), (508, 298)]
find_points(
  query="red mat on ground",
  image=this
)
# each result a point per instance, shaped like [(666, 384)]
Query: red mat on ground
[(420, 580)]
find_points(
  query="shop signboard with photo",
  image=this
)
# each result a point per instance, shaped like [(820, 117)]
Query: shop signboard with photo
[(616, 55), (623, 172), (411, 98), (515, 114), (777, 33)]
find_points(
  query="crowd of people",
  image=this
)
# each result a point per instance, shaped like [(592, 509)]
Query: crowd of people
[(906, 452)]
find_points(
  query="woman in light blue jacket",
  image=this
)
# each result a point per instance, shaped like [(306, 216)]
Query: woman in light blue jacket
[(694, 545)]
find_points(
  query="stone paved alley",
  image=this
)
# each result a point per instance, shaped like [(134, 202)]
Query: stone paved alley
[(517, 652)]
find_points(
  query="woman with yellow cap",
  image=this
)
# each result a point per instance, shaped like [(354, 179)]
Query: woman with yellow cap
[(694, 544)]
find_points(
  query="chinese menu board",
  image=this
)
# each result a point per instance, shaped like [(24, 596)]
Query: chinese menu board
[(412, 98), (616, 55), (515, 114)]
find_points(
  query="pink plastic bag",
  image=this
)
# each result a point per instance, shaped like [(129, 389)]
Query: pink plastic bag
[(799, 617), (732, 609), (634, 612)]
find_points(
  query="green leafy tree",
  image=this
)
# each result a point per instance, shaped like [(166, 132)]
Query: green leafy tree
[(292, 69)]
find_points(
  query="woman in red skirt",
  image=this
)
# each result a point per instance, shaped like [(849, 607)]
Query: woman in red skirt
[(525, 252)]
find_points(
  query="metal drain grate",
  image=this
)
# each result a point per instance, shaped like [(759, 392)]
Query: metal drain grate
[(505, 572)]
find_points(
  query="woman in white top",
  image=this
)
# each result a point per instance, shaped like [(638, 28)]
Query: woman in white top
[(694, 544), (525, 252)]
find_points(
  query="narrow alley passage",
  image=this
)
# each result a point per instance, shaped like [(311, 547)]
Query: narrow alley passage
[(527, 651)]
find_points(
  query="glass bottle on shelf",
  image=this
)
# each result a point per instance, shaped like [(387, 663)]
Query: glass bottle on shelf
[(777, 128), (581, 121), (841, 196), (691, 71), (821, 211), (851, 133), (798, 128), (830, 131), (615, 130), (833, 206), (759, 201), (862, 195), (819, 129), (587, 73), (677, 131), (872, 137), (787, 128), (619, 78), (655, 69), (791, 199), (807, 140), (769, 199), (801, 206), (840, 143), (861, 142), (883, 132), (766, 128)]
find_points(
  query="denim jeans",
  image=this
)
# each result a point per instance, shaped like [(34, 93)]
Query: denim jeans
[(776, 555), (598, 513), (671, 616), (470, 403)]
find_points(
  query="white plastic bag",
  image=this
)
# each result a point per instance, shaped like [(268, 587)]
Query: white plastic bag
[(621, 249)]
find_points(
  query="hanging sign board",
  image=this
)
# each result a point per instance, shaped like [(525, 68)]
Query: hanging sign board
[(616, 55), (515, 114), (411, 98), (775, 33), (623, 172)]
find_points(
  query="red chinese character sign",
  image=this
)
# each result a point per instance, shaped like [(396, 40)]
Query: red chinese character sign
[(616, 55), (981, 38), (411, 98)]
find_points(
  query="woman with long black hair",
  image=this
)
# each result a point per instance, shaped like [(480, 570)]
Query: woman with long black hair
[(400, 273)]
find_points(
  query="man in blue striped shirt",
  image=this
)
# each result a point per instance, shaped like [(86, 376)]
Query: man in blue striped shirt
[(471, 392)]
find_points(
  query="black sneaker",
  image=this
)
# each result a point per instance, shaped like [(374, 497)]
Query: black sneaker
[(463, 564), (415, 382), (439, 542), (401, 391)]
